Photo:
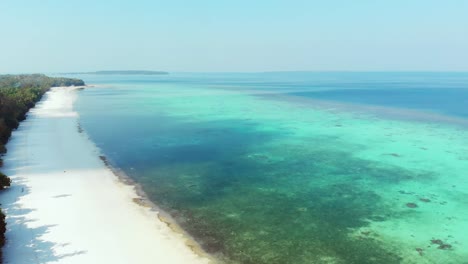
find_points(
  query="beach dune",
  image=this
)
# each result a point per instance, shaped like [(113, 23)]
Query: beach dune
[(66, 206)]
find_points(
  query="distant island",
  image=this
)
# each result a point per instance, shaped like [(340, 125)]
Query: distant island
[(131, 72)]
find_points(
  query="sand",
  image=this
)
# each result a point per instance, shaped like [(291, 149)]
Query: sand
[(66, 206)]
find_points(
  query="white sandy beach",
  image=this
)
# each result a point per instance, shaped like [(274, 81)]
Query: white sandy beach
[(66, 206)]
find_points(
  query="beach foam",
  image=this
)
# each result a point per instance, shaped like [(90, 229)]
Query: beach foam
[(66, 206)]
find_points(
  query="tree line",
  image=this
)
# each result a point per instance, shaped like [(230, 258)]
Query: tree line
[(18, 94)]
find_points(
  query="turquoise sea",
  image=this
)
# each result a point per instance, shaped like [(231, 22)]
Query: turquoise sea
[(296, 167)]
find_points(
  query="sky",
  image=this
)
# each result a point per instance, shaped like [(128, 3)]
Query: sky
[(233, 35)]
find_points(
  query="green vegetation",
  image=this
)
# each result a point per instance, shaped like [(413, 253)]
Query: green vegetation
[(18, 94), (4, 181)]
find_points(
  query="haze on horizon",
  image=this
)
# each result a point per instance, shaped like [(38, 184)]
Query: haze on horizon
[(209, 35)]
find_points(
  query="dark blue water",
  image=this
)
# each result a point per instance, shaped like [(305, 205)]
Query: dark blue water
[(448, 101), (256, 180)]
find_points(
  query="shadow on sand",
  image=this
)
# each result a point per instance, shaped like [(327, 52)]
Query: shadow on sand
[(28, 238)]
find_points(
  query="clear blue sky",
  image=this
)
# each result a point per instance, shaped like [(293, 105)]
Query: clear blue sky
[(233, 35)]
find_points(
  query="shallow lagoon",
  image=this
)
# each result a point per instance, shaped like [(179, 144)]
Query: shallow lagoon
[(259, 169)]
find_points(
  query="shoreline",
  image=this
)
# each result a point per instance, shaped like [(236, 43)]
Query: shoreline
[(94, 214), (142, 200)]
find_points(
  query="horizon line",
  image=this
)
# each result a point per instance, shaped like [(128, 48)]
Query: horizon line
[(247, 72)]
